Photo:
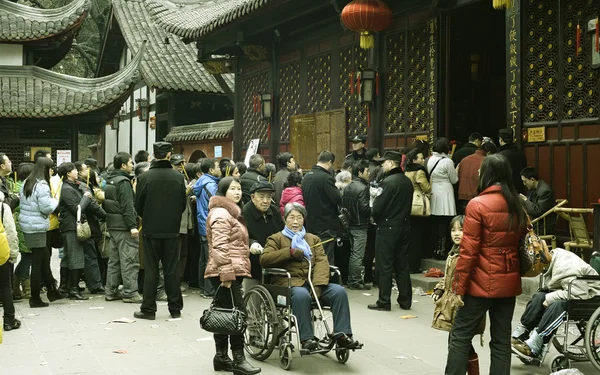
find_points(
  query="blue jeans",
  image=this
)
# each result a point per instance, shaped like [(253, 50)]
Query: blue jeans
[(358, 241), (332, 295), (23, 269)]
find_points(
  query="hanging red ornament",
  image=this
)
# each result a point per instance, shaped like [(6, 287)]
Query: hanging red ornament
[(269, 130), (597, 36), (367, 17), (577, 39), (376, 83), (352, 82), (368, 116), (358, 83)]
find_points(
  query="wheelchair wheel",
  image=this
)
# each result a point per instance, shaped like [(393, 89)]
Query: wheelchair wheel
[(342, 355), (574, 353), (261, 335), (285, 356), (592, 339), (560, 362)]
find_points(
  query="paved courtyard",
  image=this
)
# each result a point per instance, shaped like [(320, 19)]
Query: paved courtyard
[(76, 338)]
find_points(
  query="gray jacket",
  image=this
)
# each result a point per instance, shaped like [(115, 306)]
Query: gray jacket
[(565, 267)]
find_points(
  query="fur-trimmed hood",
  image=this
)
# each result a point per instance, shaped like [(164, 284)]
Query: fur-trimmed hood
[(218, 201)]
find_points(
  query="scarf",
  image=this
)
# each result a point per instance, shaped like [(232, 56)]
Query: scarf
[(298, 241)]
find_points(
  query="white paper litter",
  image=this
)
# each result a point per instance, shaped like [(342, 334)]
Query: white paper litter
[(154, 326), (97, 308), (124, 320), (173, 319), (367, 294), (400, 357), (205, 339)]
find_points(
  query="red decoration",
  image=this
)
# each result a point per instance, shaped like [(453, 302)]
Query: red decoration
[(577, 40), (367, 17), (269, 131), (352, 82), (358, 83), (597, 37), (376, 83), (368, 116)]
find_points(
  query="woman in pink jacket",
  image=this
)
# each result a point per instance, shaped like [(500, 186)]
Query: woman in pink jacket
[(292, 193), (228, 264)]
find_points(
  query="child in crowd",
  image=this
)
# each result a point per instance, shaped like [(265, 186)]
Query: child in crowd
[(446, 302), (292, 192)]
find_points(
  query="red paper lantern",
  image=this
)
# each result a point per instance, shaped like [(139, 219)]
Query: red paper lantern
[(367, 17)]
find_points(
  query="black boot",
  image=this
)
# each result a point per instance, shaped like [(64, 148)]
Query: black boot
[(74, 292), (35, 302), (222, 362), (63, 287), (241, 366)]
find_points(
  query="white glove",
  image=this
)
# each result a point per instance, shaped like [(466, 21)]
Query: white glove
[(256, 249)]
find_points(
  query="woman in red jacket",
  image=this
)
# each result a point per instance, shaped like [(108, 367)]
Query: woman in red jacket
[(487, 271)]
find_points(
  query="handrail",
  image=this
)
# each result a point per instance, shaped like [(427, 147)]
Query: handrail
[(576, 210), (553, 209)]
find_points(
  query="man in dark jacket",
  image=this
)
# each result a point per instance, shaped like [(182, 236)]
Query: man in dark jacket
[(516, 157), (391, 211), (121, 222), (287, 164), (539, 200), (475, 140), (356, 200), (359, 152), (160, 202), (322, 199), (12, 199), (254, 174), (263, 219)]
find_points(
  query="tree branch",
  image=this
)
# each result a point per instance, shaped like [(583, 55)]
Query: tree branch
[(89, 62)]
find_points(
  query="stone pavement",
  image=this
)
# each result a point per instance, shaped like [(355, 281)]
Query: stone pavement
[(74, 338)]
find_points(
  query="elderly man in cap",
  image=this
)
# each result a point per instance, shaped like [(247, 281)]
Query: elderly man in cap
[(359, 151), (160, 201), (391, 211), (516, 157), (263, 219)]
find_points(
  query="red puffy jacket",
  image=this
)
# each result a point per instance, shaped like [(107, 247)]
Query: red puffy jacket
[(488, 263)]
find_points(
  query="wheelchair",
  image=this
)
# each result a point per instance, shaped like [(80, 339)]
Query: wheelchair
[(272, 325), (582, 320)]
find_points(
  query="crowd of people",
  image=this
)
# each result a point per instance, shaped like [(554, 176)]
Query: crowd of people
[(158, 225)]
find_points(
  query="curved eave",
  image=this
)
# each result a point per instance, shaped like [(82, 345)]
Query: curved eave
[(33, 92), (24, 24), (190, 23)]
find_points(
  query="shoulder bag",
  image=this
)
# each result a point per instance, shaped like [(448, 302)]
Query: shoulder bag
[(420, 203), (222, 320), (533, 253), (83, 229)]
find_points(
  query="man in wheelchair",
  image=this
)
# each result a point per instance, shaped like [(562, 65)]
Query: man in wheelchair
[(292, 249), (546, 310)]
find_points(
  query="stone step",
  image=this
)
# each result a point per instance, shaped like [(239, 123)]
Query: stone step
[(530, 285)]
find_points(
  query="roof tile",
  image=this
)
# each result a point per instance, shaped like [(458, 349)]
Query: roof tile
[(198, 132)]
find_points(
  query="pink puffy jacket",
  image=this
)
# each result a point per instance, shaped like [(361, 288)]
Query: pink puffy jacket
[(292, 194), (227, 236)]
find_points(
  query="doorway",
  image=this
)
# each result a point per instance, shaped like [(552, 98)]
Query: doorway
[(476, 72)]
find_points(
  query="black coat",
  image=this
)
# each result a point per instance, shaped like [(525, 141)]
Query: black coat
[(354, 156), (517, 160), (9, 198), (393, 206), (92, 220), (463, 152), (540, 200), (71, 196), (160, 200), (260, 227), (356, 199), (322, 199), (248, 179)]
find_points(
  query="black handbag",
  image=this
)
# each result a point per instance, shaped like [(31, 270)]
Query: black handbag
[(222, 320)]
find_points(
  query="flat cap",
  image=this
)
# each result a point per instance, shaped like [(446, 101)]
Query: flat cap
[(162, 147), (391, 155), (262, 186), (177, 159), (358, 138)]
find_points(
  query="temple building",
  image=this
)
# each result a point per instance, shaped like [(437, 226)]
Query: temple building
[(40, 108)]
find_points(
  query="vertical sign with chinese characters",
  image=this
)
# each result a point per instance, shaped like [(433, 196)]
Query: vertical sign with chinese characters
[(432, 81), (513, 68)]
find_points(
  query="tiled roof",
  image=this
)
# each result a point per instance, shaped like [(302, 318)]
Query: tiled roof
[(33, 92), (193, 21), (198, 132), (20, 23), (170, 66)]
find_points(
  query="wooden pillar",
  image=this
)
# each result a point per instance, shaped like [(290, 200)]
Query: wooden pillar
[(513, 69), (275, 133), (596, 226), (238, 115)]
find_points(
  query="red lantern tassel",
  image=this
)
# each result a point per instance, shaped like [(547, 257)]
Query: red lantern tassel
[(376, 83), (368, 117), (352, 82), (597, 37), (269, 131), (358, 84), (577, 40)]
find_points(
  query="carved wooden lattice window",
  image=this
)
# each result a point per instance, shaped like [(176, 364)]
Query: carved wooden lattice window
[(352, 60), (541, 62), (289, 74), (15, 139), (254, 126), (319, 83), (395, 84), (559, 90), (407, 102)]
